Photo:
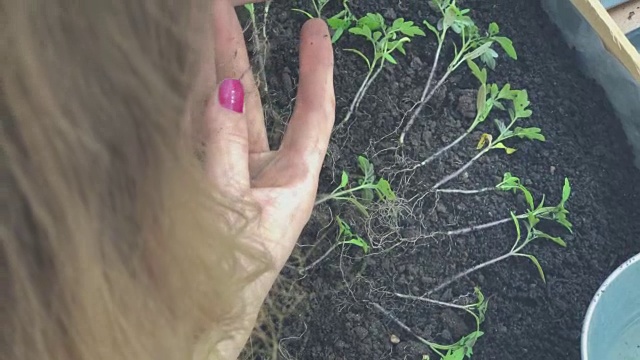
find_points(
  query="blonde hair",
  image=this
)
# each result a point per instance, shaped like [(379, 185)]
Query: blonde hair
[(113, 244)]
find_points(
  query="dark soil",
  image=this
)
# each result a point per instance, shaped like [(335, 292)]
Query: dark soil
[(527, 318)]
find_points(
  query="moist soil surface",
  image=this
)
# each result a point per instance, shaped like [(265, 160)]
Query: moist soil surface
[(527, 318)]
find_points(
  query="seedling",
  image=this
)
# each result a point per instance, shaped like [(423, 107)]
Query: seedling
[(518, 110), (259, 40), (318, 6), (531, 218), (463, 347), (473, 45), (387, 41), (367, 188), (341, 21), (346, 236)]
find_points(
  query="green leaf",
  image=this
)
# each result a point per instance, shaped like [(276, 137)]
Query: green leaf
[(517, 225), (363, 209), (509, 182), (507, 46), (506, 149), (494, 91), (337, 35), (566, 191), (307, 14), (528, 197), (377, 35), (484, 139), (359, 53), (537, 264), (367, 169), (481, 75), (390, 58), (411, 30), (345, 179), (371, 21), (251, 8), (432, 28), (532, 133), (479, 51), (489, 58), (505, 92), (448, 19), (493, 28), (384, 190), (555, 239), (481, 99), (501, 126), (359, 242), (455, 354)]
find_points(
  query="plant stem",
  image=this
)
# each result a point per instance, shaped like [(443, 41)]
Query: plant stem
[(368, 80), (462, 169), (466, 192), (469, 271), (482, 226), (440, 151), (421, 105), (324, 256), (340, 194), (436, 302), (402, 325)]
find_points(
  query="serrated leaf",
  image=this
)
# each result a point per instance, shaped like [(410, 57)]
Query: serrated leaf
[(523, 114), (484, 139), (489, 58), (532, 133), (377, 35), (494, 91), (506, 149), (507, 45), (481, 75), (505, 92), (493, 28), (501, 126), (390, 58)]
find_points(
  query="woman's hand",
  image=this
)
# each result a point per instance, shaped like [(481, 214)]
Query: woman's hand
[(282, 182)]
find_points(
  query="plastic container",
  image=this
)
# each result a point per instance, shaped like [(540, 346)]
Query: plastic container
[(611, 329)]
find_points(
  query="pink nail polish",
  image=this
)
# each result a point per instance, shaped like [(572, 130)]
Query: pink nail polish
[(231, 95)]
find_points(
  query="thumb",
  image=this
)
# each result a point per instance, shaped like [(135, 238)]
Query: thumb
[(227, 149)]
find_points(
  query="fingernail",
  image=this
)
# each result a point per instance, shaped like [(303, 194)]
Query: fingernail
[(231, 95)]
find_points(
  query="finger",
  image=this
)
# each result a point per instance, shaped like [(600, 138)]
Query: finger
[(310, 126), (227, 149), (232, 62), (242, 2)]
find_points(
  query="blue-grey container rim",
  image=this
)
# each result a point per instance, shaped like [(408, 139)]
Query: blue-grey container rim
[(594, 302)]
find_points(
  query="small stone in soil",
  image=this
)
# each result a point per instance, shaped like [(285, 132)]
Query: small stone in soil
[(394, 339), (552, 170)]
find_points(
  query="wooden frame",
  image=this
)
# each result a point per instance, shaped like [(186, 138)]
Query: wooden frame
[(611, 34)]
